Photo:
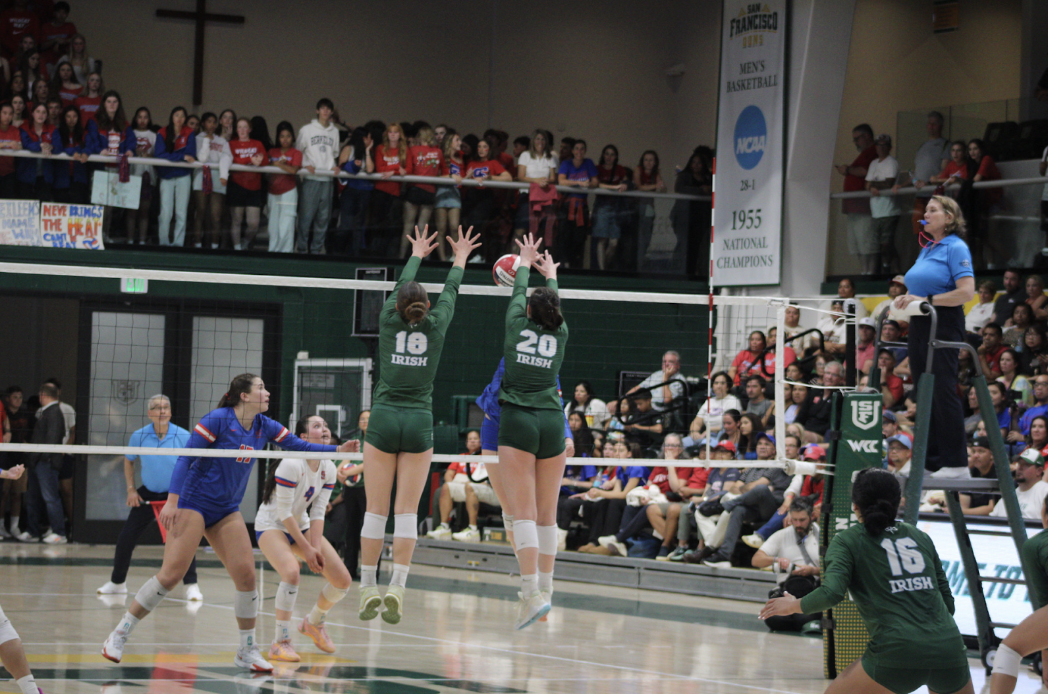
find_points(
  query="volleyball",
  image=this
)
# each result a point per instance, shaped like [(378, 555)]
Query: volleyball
[(505, 269)]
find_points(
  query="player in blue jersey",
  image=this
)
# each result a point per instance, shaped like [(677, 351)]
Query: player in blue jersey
[(204, 501)]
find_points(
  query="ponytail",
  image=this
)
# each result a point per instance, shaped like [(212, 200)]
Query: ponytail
[(239, 385), (545, 308), (876, 493), (412, 303), (271, 475)]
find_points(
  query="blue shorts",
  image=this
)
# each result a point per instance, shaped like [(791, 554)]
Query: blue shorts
[(258, 536), (489, 433), (448, 197), (211, 515)]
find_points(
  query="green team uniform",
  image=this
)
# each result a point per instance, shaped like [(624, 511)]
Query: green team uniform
[(402, 409), (1035, 564), (898, 584), (532, 416)]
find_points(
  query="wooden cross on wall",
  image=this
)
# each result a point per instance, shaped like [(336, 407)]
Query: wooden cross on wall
[(201, 17)]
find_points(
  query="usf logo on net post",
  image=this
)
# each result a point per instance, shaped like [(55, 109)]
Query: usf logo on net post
[(865, 418)]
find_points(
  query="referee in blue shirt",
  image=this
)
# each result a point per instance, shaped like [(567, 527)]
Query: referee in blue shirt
[(943, 276), (156, 477)]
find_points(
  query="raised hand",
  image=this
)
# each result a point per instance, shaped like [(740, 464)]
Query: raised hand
[(529, 249), (423, 244), (463, 245), (544, 264)]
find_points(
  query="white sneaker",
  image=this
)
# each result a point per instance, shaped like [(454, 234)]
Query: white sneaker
[(54, 539), (441, 532), (467, 535), (113, 648), (610, 541), (193, 593), (547, 595), (4, 534), (531, 609), (250, 658), (111, 588), (24, 536), (755, 541)]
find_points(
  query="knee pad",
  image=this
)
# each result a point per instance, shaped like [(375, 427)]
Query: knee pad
[(245, 604), (405, 525), (285, 598), (525, 534), (547, 535), (333, 594), (1006, 661), (374, 527), (507, 523), (7, 631), (151, 594)]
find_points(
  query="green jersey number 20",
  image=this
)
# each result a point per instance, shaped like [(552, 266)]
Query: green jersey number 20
[(545, 345)]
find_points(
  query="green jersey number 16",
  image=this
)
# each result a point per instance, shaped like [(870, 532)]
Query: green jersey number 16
[(903, 555)]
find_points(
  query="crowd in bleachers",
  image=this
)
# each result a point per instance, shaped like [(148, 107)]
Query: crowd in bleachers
[(56, 102)]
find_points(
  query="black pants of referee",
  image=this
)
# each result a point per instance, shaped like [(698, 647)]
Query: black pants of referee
[(946, 448), (137, 521)]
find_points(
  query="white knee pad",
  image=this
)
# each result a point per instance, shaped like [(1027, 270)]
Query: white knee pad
[(507, 523), (547, 539), (333, 594), (374, 527), (286, 595), (151, 594), (405, 525), (245, 604), (525, 534), (7, 631), (1006, 661)]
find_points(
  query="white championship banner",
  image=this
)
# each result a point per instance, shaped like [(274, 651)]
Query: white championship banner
[(748, 208)]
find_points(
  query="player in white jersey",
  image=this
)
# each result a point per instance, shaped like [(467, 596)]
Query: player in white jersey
[(290, 529), (12, 655)]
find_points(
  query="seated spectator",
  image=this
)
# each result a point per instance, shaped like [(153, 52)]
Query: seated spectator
[(832, 327), (900, 451), (604, 502), (846, 291), (891, 331), (956, 169), (750, 430), (814, 414), (972, 420), (665, 385), (896, 288), (980, 465), (865, 347), (703, 512), (793, 553), (746, 362), (891, 385), (1021, 320), (1011, 379), (1030, 488), (1040, 404), (465, 482), (1033, 359), (798, 393), (710, 416), (797, 429), (982, 313), (644, 426), (592, 409), (1037, 439), (788, 355), (758, 404), (1036, 298), (804, 345), (760, 496), (804, 487), (581, 435), (990, 351), (1001, 409)]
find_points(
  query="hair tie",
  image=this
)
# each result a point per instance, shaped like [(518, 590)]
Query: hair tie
[(226, 395)]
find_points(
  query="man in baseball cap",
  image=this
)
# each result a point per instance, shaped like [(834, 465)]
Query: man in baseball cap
[(864, 349), (980, 465), (1030, 488), (897, 287)]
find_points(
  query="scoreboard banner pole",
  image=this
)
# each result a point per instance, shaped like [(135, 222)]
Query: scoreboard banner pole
[(750, 144)]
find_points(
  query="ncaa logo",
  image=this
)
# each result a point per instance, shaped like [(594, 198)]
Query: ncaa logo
[(865, 413), (751, 132)]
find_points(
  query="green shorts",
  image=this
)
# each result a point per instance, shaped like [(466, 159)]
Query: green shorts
[(400, 429), (905, 680), (539, 432)]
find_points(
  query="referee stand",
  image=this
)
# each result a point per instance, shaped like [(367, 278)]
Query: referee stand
[(856, 429)]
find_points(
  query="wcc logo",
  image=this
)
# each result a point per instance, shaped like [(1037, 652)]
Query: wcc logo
[(865, 413), (751, 134)]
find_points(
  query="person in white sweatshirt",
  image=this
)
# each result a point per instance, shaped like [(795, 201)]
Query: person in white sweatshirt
[(211, 148), (318, 142)]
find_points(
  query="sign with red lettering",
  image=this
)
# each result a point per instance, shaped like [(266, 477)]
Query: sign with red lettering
[(51, 225)]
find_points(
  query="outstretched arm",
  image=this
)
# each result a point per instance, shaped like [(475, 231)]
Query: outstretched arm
[(545, 265), (463, 246), (423, 244)]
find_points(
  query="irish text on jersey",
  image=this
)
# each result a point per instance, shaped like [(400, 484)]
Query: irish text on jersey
[(534, 361), (403, 360)]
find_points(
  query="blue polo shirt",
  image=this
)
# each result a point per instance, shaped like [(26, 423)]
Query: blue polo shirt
[(157, 469), (939, 266)]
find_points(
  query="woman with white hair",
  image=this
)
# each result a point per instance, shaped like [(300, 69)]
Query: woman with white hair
[(156, 477)]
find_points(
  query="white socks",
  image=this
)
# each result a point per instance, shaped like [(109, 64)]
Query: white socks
[(546, 581), (529, 585), (368, 576), (400, 575), (283, 631), (28, 685), (247, 638), (127, 623)]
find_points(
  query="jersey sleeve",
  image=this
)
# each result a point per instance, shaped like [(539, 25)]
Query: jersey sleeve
[(836, 577), (287, 474), (445, 309), (277, 433), (134, 442), (407, 275), (941, 581), (960, 259), (318, 509), (1035, 570), (518, 303), (203, 435)]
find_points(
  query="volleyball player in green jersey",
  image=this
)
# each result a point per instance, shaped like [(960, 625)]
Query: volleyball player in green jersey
[(1032, 633), (399, 439), (893, 574), (531, 428)]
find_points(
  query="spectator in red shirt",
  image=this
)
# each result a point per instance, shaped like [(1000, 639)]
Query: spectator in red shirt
[(745, 362), (484, 168), (91, 98), (283, 195), (423, 159), (891, 385), (990, 351), (66, 86), (864, 348), (16, 23), (982, 204), (788, 355), (607, 210), (244, 191), (956, 169), (56, 36), (861, 239), (386, 205), (10, 139)]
